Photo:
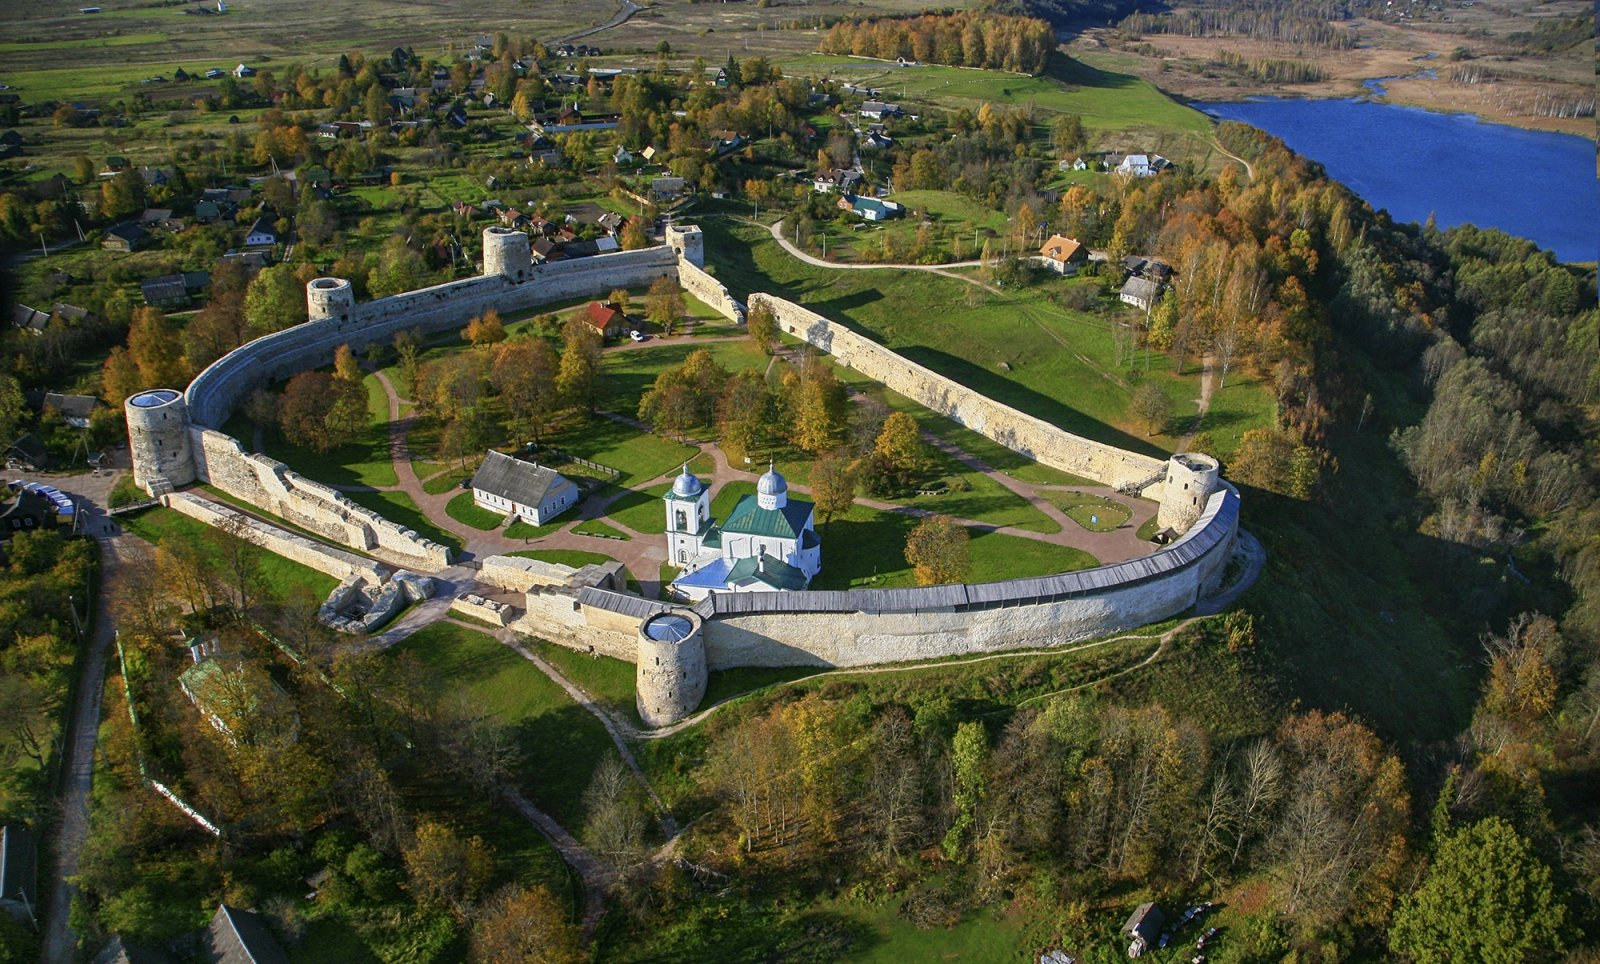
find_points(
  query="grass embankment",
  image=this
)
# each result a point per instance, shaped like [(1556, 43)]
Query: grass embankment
[(400, 509), (1021, 348), (560, 742), (283, 578)]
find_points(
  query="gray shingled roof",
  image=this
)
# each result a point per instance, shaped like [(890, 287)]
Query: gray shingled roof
[(524, 483), (242, 937), (19, 874)]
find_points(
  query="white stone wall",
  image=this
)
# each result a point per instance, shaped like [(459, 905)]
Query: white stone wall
[(521, 575), (708, 289), (268, 484), (1018, 431), (554, 615), (291, 545)]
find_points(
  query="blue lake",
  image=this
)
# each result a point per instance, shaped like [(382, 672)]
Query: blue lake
[(1534, 184)]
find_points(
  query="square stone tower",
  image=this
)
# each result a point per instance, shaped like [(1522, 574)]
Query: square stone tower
[(687, 241)]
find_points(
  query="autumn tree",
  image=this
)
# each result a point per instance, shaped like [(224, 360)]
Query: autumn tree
[(13, 407), (1486, 897), (763, 327), (345, 365), (899, 447), (525, 925), (939, 551), (445, 870), (833, 486), (1151, 406), (634, 236), (321, 412), (485, 329), (156, 349), (665, 304), (744, 414), (614, 824), (524, 375), (578, 379), (813, 405)]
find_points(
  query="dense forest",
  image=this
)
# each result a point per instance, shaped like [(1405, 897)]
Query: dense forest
[(997, 42)]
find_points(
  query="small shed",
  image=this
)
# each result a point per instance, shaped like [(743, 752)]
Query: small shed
[(525, 489), (27, 454), (1143, 928)]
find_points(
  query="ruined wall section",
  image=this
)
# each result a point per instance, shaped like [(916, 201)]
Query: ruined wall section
[(708, 289), (291, 545), (1018, 431)]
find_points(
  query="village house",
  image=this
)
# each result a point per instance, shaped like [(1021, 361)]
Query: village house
[(75, 410), (175, 290), (30, 507), (667, 187), (622, 156), (1143, 165), (31, 320), (526, 490), (242, 71), (19, 872), (1063, 255), (611, 221), (126, 237), (241, 937), (870, 208), (26, 454), (1141, 293), (836, 180), (876, 110), (260, 234), (606, 318)]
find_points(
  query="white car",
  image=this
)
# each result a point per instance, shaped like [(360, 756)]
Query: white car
[(637, 335)]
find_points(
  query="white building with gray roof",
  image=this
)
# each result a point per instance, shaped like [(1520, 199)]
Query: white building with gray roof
[(525, 489)]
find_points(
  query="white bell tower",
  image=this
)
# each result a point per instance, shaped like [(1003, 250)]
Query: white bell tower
[(688, 517)]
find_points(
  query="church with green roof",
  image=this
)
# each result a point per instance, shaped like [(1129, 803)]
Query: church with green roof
[(768, 543)]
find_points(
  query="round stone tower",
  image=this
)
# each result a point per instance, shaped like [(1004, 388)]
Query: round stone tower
[(158, 439), (1191, 478), (506, 252), (330, 298), (671, 674)]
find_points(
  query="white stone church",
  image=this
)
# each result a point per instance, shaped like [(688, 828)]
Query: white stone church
[(768, 543)]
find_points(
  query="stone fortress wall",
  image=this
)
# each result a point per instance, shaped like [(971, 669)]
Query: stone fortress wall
[(291, 545), (337, 320), (810, 628), (1023, 433)]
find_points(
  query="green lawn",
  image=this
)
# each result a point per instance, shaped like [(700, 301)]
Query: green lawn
[(467, 512), (641, 509), (997, 556), (440, 484), (523, 529), (576, 558), (949, 208), (1093, 512), (560, 741), (595, 527), (866, 549), (399, 508), (639, 456), (1148, 530), (282, 577)]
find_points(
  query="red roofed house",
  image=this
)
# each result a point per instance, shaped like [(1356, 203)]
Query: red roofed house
[(606, 319), (1063, 255)]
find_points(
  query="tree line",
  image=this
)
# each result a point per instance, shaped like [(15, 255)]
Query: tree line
[(964, 39)]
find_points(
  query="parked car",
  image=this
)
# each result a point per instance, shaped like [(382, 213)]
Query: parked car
[(637, 335)]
